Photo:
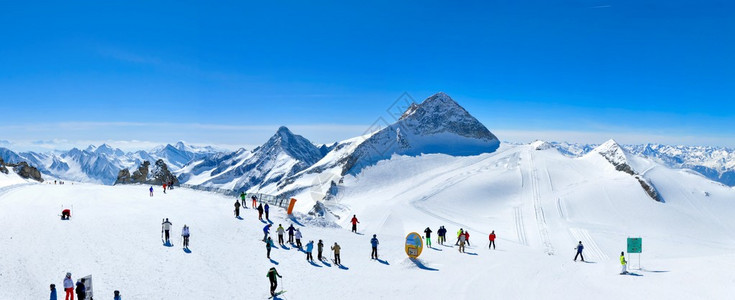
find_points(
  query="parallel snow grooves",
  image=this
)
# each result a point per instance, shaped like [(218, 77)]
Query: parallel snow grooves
[(561, 209), (539, 210), (590, 245), (520, 229)]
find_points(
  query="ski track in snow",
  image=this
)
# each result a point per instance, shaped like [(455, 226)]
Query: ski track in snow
[(520, 229), (538, 208), (590, 246)]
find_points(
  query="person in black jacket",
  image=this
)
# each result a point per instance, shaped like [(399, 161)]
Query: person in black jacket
[(442, 232), (428, 231), (81, 290)]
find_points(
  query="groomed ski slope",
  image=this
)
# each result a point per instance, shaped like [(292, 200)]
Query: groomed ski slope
[(539, 203)]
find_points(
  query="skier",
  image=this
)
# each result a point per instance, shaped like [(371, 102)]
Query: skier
[(68, 287), (260, 211), (266, 231), (623, 263), (116, 293), (254, 200), (166, 228), (272, 274), (290, 233), (151, 190), (336, 249), (579, 248), (65, 214), (164, 188), (374, 242), (309, 247), (297, 235), (492, 240), (268, 245), (354, 222), (81, 290), (185, 234), (280, 232), (427, 231), (442, 232), (53, 292), (237, 209), (462, 239), (266, 208), (459, 233), (467, 237), (319, 249), (242, 198)]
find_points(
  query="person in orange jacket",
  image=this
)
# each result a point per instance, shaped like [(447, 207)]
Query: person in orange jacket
[(492, 240)]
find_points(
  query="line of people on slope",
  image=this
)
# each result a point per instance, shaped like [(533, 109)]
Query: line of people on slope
[(80, 290), (166, 226), (463, 237), (295, 236)]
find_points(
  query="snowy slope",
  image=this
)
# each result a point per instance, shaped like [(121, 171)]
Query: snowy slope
[(539, 202)]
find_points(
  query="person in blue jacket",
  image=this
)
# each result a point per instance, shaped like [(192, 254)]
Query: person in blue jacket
[(53, 292), (266, 230), (266, 208), (151, 190), (374, 242), (117, 295), (309, 247), (580, 247)]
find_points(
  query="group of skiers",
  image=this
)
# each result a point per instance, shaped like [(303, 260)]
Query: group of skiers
[(463, 237), (262, 207), (166, 226), (294, 238), (81, 289)]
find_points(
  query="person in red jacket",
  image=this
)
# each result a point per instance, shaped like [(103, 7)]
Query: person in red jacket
[(354, 223), (164, 188), (492, 240), (467, 237)]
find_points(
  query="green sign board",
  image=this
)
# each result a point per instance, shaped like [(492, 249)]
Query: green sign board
[(635, 245)]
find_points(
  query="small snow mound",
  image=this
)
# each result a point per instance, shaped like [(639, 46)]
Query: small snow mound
[(541, 145)]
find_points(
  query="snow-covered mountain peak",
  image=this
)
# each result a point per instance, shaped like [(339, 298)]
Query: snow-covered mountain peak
[(541, 145), (612, 151), (441, 114), (292, 144)]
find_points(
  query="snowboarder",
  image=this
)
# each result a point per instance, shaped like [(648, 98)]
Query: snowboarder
[(185, 234), (268, 245), (237, 209), (492, 240), (427, 231), (291, 230), (255, 199), (309, 247), (266, 208), (280, 232), (336, 249), (467, 237), (242, 198), (319, 249), (260, 211), (151, 190), (462, 239), (68, 287), (624, 264), (166, 226), (116, 293), (354, 222), (459, 233), (579, 248), (297, 235), (442, 232), (53, 292), (81, 290), (272, 274), (374, 242), (164, 188), (266, 231)]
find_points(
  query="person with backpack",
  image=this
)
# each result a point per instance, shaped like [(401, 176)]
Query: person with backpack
[(260, 211), (354, 222), (579, 248), (268, 245), (266, 231), (462, 239), (116, 295), (242, 198), (266, 208), (492, 240), (237, 209), (309, 248), (53, 292), (280, 232), (336, 248), (185, 234), (291, 230), (624, 264), (459, 233), (68, 287), (442, 232), (151, 190), (166, 226), (319, 249), (427, 231), (467, 237), (81, 290), (374, 242), (272, 274), (297, 235)]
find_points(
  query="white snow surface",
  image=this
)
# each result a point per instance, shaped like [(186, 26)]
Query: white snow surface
[(539, 203)]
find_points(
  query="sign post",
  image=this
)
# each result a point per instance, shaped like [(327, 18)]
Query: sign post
[(635, 245), (414, 245)]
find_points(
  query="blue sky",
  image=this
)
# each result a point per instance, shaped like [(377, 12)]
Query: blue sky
[(230, 73)]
